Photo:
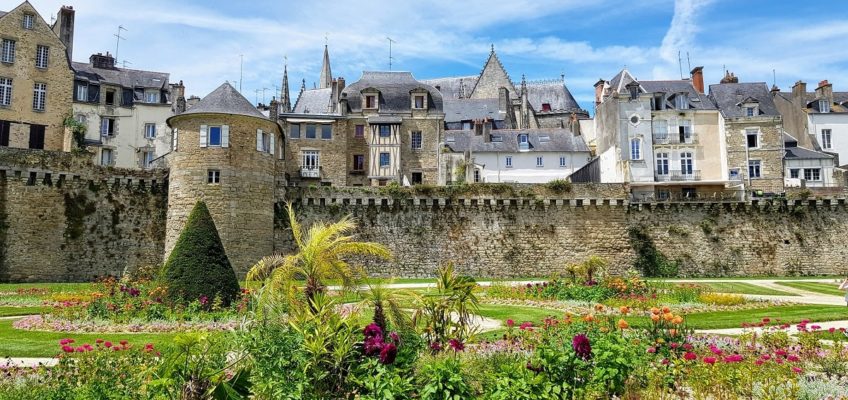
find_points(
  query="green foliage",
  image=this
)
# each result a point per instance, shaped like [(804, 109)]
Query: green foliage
[(77, 131), (559, 186), (275, 361), (446, 314), (441, 378), (198, 265), (649, 260), (198, 368), (375, 381)]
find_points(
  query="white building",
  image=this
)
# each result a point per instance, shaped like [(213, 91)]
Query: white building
[(124, 111), (516, 155), (807, 168)]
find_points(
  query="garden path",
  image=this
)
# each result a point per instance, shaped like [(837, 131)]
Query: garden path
[(803, 296), (28, 362)]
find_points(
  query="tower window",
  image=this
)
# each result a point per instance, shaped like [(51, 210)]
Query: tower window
[(214, 136), (213, 176), (416, 140)]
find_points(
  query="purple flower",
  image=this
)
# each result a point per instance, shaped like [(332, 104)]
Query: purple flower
[(581, 346), (435, 346), (373, 345), (456, 345), (395, 338), (373, 330), (388, 354), (204, 300)]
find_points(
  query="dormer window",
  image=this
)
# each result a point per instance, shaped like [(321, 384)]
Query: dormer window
[(523, 142), (418, 102), (370, 100), (546, 106), (29, 21), (681, 101), (634, 92), (750, 111), (824, 106)]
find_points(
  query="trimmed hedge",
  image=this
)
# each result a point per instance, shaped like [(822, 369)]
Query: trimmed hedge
[(198, 265)]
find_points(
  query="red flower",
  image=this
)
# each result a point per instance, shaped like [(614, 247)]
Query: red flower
[(758, 362), (373, 330), (766, 357), (123, 343), (733, 358), (792, 358), (108, 344), (67, 349), (456, 345), (510, 323), (98, 341), (690, 356), (652, 350), (526, 325), (580, 344), (148, 347), (388, 354), (709, 360), (797, 370)]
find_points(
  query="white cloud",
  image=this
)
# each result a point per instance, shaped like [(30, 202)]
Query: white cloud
[(680, 37)]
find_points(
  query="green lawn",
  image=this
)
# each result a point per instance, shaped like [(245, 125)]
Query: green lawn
[(743, 288), (735, 319), (53, 287), (747, 278), (16, 311), (818, 287), (518, 314)]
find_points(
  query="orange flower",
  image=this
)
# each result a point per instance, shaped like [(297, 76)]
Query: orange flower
[(604, 329), (666, 310), (599, 307), (624, 309), (677, 320), (589, 318), (655, 317), (672, 332), (655, 310), (668, 317), (622, 324)]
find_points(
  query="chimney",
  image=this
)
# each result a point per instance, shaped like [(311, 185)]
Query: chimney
[(503, 99), (697, 75), (334, 95), (178, 93), (774, 90), (341, 84), (487, 130), (64, 28), (343, 104), (599, 91), (799, 94), (103, 62), (274, 110), (825, 91)]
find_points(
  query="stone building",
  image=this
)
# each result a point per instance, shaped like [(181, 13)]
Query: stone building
[(753, 130), (124, 111), (35, 78), (661, 137), (226, 153)]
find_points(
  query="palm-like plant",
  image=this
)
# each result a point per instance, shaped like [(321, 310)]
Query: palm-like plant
[(387, 306), (448, 313), (320, 256)]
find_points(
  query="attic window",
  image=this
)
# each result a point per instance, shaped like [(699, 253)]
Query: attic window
[(418, 102), (497, 138), (546, 106), (824, 106), (29, 21), (681, 101), (544, 138), (634, 91), (370, 101)]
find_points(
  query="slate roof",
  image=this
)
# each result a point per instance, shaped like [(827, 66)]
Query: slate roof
[(128, 78), (450, 86), (225, 100), (458, 110), (560, 140), (800, 153), (839, 98), (394, 90), (553, 92), (2, 13), (730, 98), (698, 101), (313, 101)]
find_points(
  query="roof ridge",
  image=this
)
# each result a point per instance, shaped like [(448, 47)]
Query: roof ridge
[(494, 55)]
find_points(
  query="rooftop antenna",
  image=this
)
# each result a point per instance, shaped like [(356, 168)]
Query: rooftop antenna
[(680, 64), (241, 71), (774, 77), (390, 51), (118, 40), (256, 96), (52, 18), (688, 61), (263, 94)]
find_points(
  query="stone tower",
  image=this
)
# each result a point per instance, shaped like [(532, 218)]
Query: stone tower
[(225, 154)]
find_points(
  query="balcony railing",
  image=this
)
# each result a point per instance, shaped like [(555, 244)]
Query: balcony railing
[(676, 138), (310, 172), (678, 176)]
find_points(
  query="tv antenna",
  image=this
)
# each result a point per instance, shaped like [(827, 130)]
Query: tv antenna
[(680, 64), (774, 77), (688, 61), (263, 94), (256, 96), (241, 71), (390, 51), (118, 39)]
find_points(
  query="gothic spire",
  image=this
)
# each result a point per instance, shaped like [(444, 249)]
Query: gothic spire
[(326, 79), (285, 100)]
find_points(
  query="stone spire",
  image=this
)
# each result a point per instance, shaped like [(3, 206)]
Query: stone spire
[(285, 100), (326, 76)]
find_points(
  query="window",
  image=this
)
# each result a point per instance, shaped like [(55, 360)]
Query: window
[(385, 160), (385, 130), (5, 91), (415, 140), (36, 136), (41, 55), (562, 162), (634, 120), (681, 101), (263, 141), (294, 132), (660, 129), (310, 160), (540, 162), (82, 92), (105, 157), (686, 163), (418, 178), (419, 102), (634, 91), (81, 118), (151, 96), (733, 174), (29, 21), (546, 107), (754, 167), (213, 176), (466, 125), (826, 143), (39, 96), (110, 97), (476, 175), (662, 163), (146, 159), (214, 136), (359, 132), (5, 130), (753, 137), (508, 161), (749, 111), (358, 162), (371, 101), (794, 173), (8, 53), (310, 131), (824, 106), (635, 149), (326, 132), (107, 126), (149, 131), (685, 131), (523, 142), (812, 174)]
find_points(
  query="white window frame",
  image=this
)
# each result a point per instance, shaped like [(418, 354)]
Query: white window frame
[(39, 96), (824, 106), (813, 173), (105, 124), (540, 162), (213, 176), (749, 132), (659, 129), (152, 96), (82, 92), (827, 140), (636, 151), (755, 166), (42, 56), (148, 132), (687, 163), (29, 21), (147, 158), (681, 101), (106, 160), (416, 139), (563, 162), (663, 160), (508, 162), (6, 92), (310, 159), (7, 53)]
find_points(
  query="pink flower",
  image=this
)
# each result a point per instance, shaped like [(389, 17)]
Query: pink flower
[(108, 344), (674, 345), (526, 326), (780, 352), (766, 357), (831, 330), (797, 370), (689, 356), (710, 360), (510, 323), (758, 362), (456, 345), (733, 358), (792, 358), (435, 346), (388, 354), (395, 338), (67, 349), (66, 341), (664, 361), (687, 347), (717, 351), (815, 327), (652, 350)]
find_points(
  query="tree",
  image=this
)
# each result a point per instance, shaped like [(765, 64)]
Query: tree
[(198, 265), (320, 256)]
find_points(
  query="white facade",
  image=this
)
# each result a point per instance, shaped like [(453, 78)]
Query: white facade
[(831, 132), (809, 173), (527, 167)]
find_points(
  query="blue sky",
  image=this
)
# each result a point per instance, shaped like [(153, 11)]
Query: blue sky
[(200, 42)]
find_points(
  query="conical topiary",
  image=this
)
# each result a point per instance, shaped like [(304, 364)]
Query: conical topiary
[(198, 266)]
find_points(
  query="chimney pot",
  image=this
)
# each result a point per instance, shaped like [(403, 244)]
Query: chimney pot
[(824, 83)]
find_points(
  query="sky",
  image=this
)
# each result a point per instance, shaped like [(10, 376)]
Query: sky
[(203, 42)]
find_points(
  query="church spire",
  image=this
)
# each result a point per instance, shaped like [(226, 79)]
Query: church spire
[(285, 100), (326, 79)]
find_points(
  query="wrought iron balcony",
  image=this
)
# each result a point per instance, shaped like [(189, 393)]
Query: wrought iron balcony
[(676, 138), (310, 172), (678, 176)]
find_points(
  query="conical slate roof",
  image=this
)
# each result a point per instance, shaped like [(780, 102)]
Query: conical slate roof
[(225, 100)]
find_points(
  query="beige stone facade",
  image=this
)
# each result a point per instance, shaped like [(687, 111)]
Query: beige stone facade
[(34, 122), (769, 152)]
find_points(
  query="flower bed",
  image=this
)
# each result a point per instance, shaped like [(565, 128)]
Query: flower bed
[(51, 324)]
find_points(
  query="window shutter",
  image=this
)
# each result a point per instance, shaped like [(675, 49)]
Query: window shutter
[(273, 149), (203, 135), (104, 126), (259, 146), (225, 136), (174, 140)]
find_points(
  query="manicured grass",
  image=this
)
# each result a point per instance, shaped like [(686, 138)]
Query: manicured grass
[(735, 319), (518, 314), (53, 287), (743, 288), (818, 287), (750, 278), (15, 311), (20, 343)]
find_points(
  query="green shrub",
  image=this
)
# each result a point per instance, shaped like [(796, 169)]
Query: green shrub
[(441, 378), (649, 259), (558, 186), (198, 265)]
